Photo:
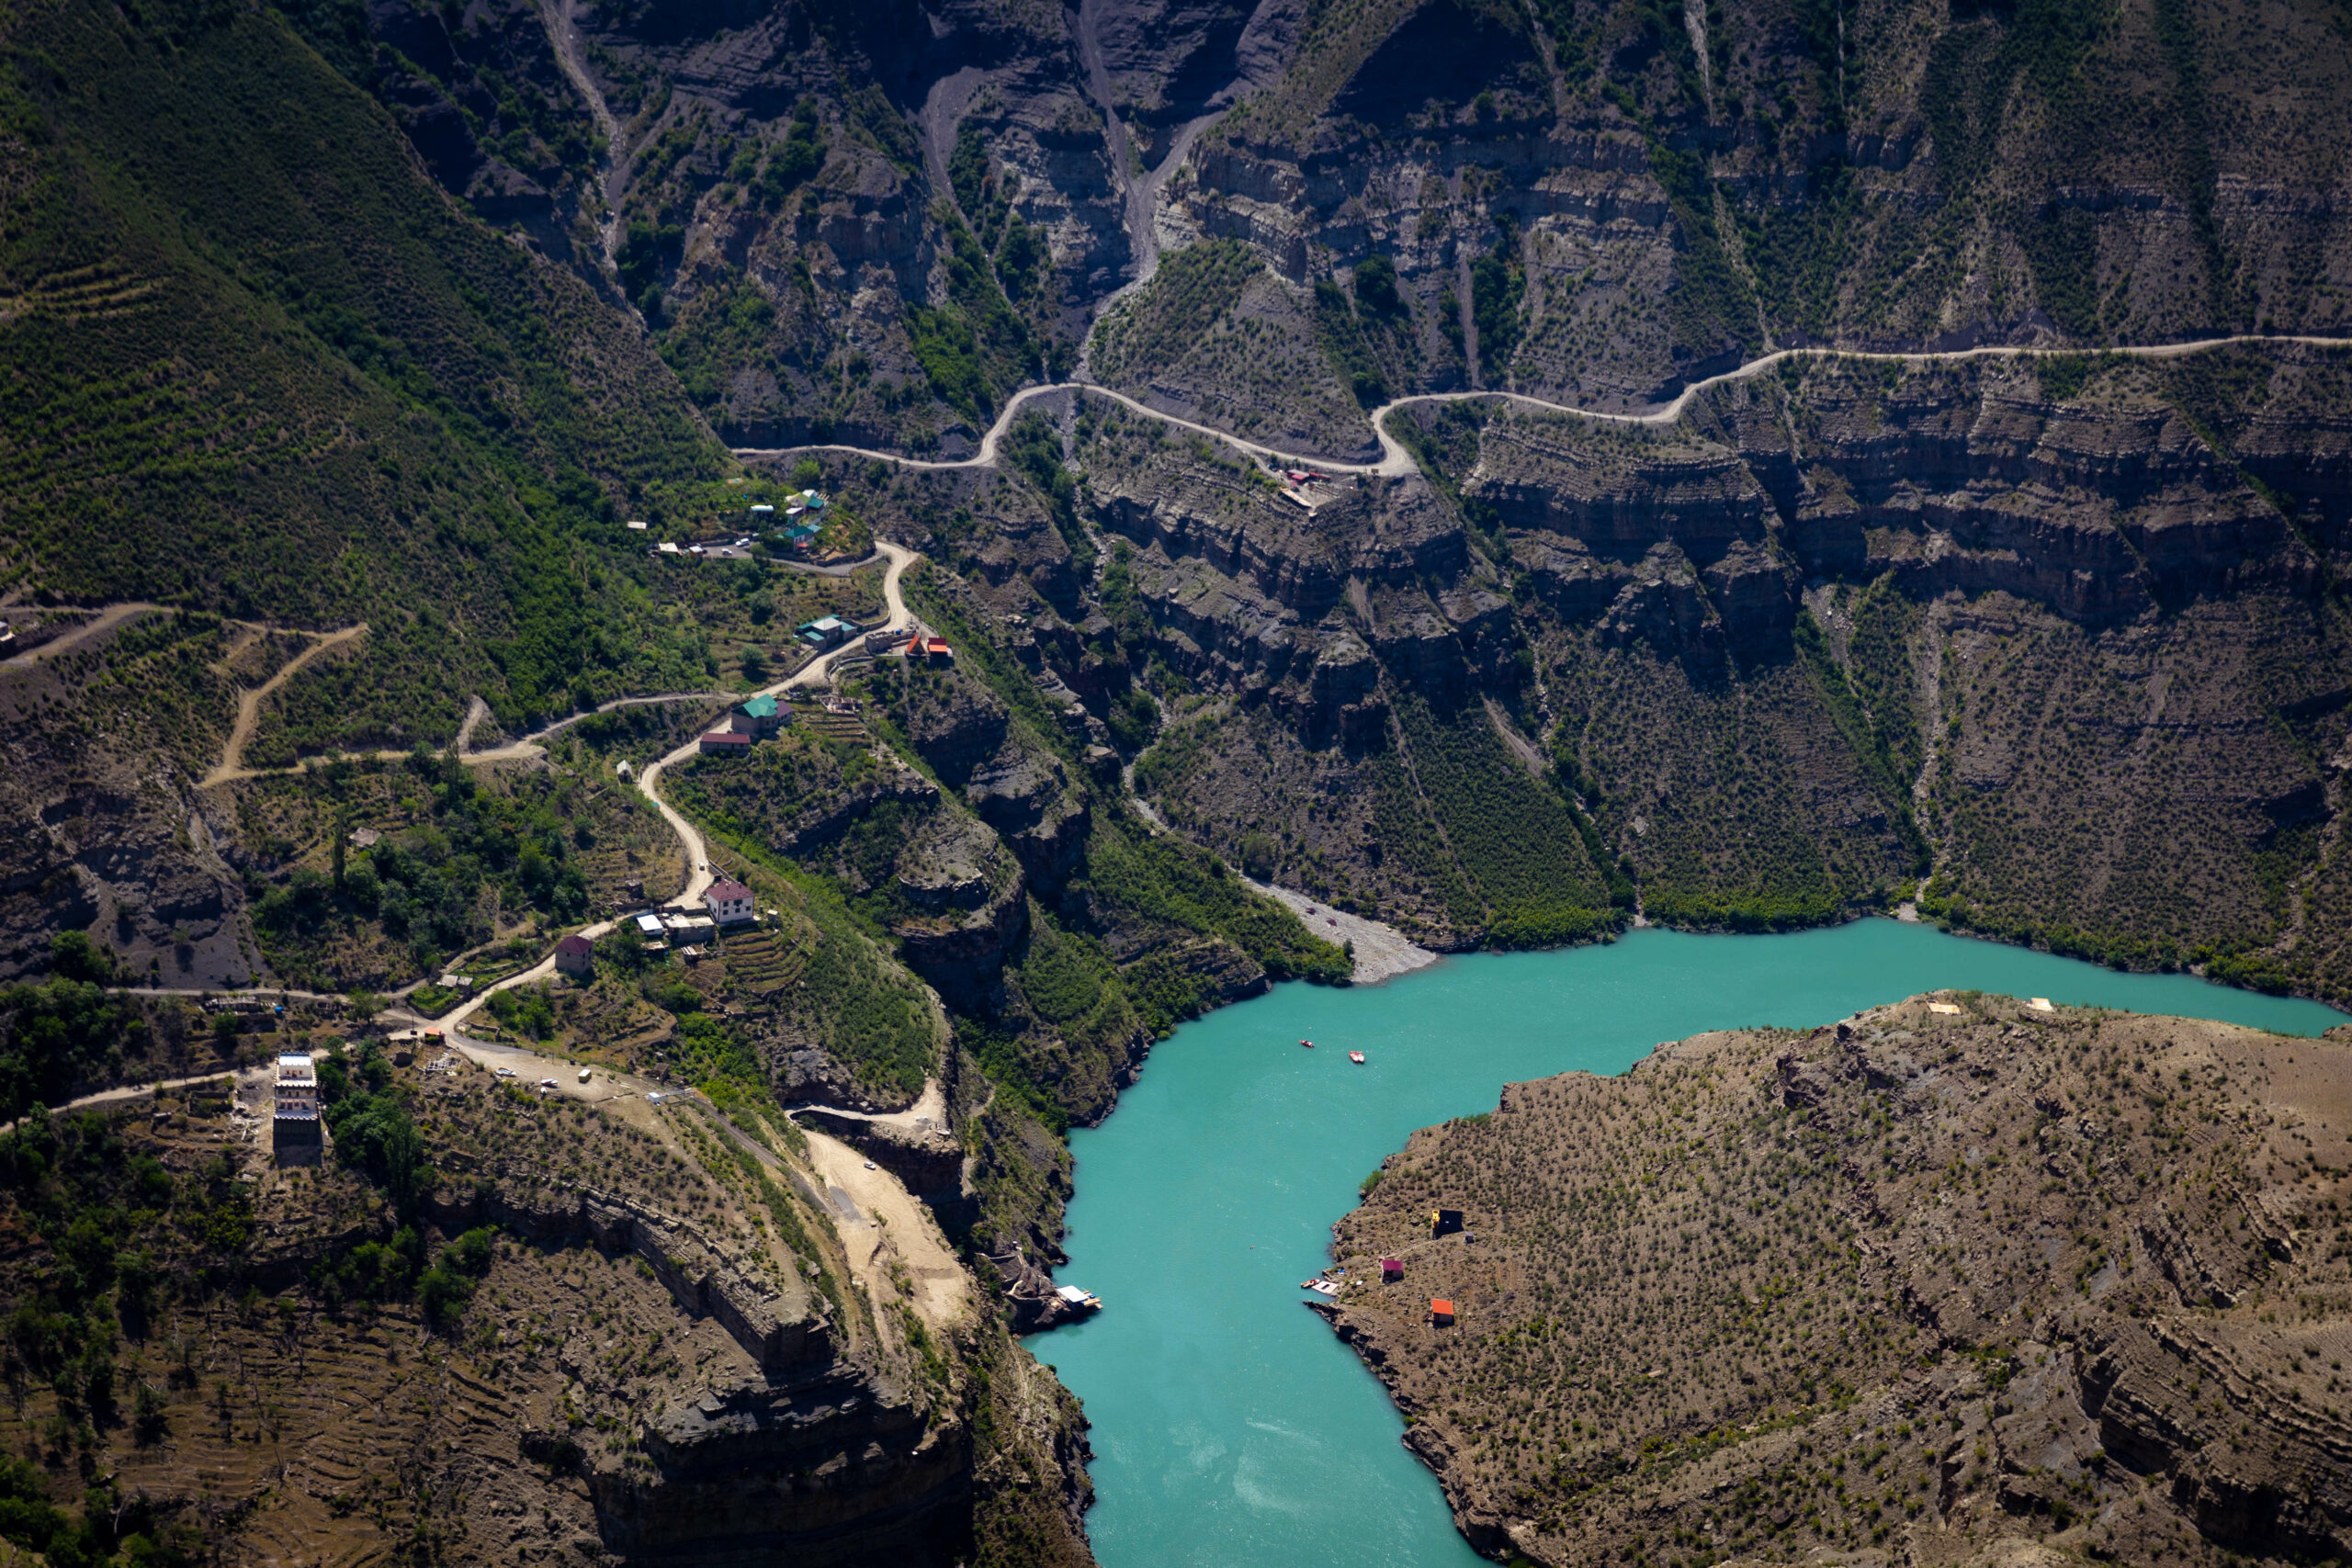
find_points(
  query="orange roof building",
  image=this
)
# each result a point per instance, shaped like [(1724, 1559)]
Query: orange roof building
[(1441, 1312)]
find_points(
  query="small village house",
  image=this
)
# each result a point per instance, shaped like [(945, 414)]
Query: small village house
[(1441, 1314), (298, 1089), (729, 903), (576, 956), (724, 743), (1391, 1270), (931, 649), (758, 717), (295, 1130), (828, 631)]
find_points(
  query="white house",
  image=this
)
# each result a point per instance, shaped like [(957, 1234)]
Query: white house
[(298, 1089), (729, 903)]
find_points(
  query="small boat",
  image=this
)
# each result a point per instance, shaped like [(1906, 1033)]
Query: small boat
[(1085, 1301), (1357, 1058), (1308, 1043)]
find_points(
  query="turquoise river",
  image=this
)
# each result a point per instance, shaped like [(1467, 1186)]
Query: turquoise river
[(1230, 1427)]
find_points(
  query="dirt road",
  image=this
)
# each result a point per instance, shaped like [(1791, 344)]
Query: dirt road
[(1396, 461), (233, 755), (113, 614), (941, 1290), (698, 872)]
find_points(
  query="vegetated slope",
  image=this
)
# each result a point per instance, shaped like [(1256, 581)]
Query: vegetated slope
[(1926, 1281), (282, 374), (491, 1323), (263, 367), (1217, 337), (831, 222), (2045, 635), (871, 225)]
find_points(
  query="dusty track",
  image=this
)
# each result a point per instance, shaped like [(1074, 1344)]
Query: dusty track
[(113, 614), (233, 755), (698, 875), (698, 872), (1395, 460), (940, 1285)]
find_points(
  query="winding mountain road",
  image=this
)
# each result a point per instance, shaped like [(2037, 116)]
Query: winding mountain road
[(1395, 460), (698, 872)]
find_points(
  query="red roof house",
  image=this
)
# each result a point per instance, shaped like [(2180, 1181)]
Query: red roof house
[(729, 902), (1441, 1313), (725, 743), (575, 954)]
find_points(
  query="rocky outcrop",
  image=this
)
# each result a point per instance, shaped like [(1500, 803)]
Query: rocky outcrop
[(2042, 1245), (825, 1473), (782, 1332)]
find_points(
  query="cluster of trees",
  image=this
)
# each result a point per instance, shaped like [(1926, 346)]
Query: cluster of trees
[(424, 886)]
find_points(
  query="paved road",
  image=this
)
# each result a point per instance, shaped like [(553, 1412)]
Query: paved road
[(1396, 461)]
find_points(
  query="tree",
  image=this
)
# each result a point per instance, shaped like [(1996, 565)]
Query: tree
[(74, 956)]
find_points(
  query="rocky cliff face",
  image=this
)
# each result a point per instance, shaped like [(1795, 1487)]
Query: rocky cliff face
[(1930, 612), (684, 1356), (1991, 1278), (871, 227)]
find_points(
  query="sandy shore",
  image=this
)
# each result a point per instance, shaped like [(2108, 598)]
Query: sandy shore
[(1381, 951)]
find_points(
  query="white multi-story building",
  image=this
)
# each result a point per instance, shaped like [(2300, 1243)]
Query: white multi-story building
[(729, 902), (298, 1089)]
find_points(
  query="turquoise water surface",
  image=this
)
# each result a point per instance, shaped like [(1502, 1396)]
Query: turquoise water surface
[(1231, 1428)]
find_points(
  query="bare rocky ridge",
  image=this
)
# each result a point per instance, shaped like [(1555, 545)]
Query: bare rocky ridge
[(1955, 1280)]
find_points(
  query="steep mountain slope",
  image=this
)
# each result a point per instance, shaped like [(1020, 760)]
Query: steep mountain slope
[(497, 1324), (2062, 640), (870, 224), (1980, 1285), (281, 374)]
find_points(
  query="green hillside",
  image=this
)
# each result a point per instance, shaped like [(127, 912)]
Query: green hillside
[(279, 372)]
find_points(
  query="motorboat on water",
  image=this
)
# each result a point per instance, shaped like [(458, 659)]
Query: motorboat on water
[(1357, 1058), (1308, 1043)]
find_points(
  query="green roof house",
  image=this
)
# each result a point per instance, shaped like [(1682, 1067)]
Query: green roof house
[(759, 716)]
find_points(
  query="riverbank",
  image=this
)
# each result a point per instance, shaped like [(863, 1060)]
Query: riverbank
[(1825, 1217), (1382, 952)]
